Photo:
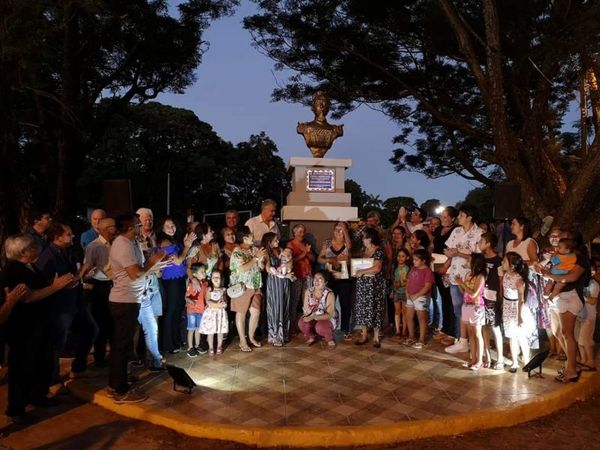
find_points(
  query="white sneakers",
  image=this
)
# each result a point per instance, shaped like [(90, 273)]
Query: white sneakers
[(460, 346)]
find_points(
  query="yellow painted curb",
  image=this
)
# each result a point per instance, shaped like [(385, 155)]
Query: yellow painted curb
[(480, 419)]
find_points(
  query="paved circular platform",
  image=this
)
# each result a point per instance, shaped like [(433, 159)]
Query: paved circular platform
[(351, 395)]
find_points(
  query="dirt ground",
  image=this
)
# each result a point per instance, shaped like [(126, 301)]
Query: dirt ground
[(76, 425)]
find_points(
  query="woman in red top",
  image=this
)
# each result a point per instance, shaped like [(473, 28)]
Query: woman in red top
[(303, 258)]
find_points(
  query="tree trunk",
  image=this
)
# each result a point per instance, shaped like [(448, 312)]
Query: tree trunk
[(69, 140)]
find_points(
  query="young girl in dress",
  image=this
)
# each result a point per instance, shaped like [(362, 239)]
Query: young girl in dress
[(473, 308), (214, 320), (400, 280), (418, 295), (515, 314)]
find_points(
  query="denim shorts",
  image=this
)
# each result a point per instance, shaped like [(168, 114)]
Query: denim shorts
[(193, 321), (420, 303)]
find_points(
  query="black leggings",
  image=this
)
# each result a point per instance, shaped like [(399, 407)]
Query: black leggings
[(343, 289), (174, 304)]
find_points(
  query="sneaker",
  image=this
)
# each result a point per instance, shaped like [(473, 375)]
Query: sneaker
[(418, 345), (461, 346), (21, 419), (131, 378), (132, 396), (111, 393), (438, 336), (192, 352), (201, 350), (46, 402)]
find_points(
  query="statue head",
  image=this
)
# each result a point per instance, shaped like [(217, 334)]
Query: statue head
[(320, 104)]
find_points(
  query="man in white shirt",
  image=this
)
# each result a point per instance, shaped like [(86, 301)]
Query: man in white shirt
[(96, 260), (463, 241), (128, 272), (263, 223)]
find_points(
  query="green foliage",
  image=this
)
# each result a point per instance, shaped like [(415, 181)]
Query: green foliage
[(480, 89), (362, 200), (483, 198), (391, 207), (60, 58), (146, 142), (430, 206)]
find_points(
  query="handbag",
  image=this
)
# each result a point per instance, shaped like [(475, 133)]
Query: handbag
[(236, 290)]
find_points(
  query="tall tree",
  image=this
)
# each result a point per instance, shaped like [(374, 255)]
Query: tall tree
[(392, 205), (479, 88), (430, 206), (60, 57), (483, 198), (255, 172), (146, 142)]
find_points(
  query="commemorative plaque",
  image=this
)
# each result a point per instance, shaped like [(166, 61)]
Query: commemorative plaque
[(320, 180)]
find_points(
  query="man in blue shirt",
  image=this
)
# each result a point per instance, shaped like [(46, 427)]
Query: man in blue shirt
[(92, 234)]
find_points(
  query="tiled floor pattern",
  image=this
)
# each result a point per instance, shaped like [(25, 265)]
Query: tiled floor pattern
[(350, 385)]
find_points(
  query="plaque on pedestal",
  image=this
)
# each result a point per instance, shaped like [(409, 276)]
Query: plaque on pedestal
[(320, 180)]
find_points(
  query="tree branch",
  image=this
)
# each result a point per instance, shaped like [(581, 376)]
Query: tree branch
[(466, 162), (466, 46)]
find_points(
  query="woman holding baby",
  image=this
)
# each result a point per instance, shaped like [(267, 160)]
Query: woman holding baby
[(279, 279)]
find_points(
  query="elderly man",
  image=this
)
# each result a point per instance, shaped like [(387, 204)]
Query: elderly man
[(96, 261), (67, 306), (128, 272), (88, 236), (263, 223)]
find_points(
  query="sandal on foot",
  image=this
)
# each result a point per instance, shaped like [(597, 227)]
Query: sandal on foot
[(475, 367), (245, 348), (211, 352), (499, 365), (331, 344), (562, 379), (310, 341), (219, 351), (255, 343)]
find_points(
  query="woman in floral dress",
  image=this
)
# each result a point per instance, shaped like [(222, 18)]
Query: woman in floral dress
[(369, 310)]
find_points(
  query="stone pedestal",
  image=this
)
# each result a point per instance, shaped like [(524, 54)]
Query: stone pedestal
[(318, 199)]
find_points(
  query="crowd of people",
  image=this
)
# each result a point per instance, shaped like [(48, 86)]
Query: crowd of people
[(153, 289)]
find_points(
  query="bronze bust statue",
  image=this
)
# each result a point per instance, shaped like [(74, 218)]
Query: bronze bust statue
[(319, 134)]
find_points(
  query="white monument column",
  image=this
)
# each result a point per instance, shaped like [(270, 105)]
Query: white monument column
[(318, 199)]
